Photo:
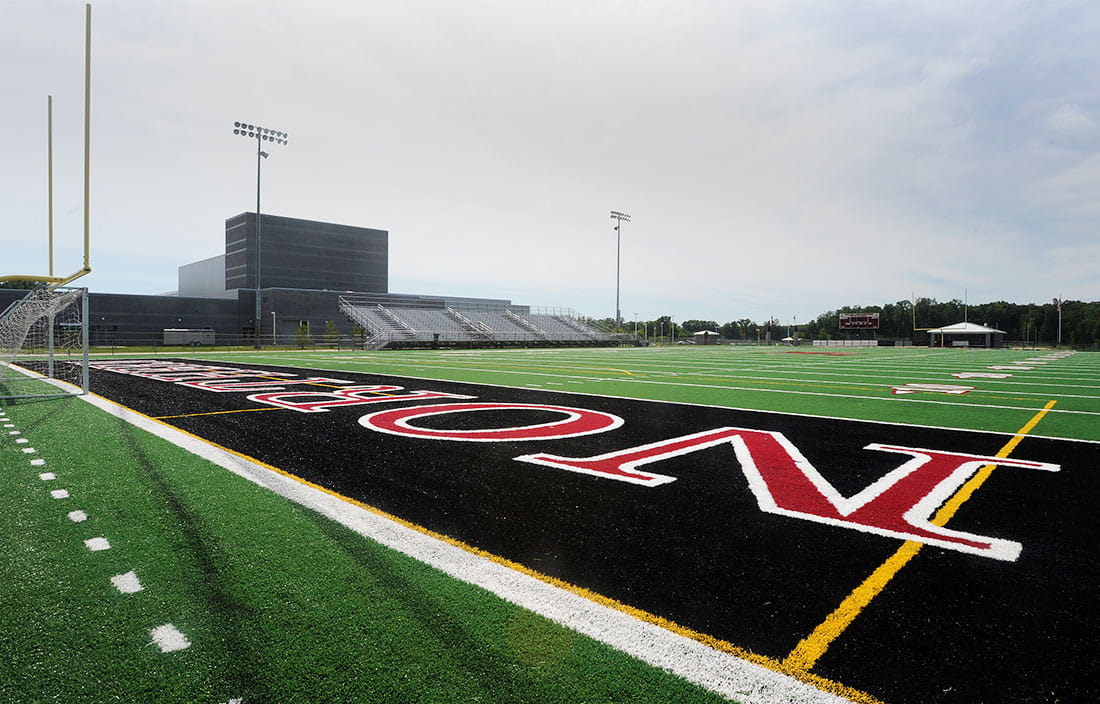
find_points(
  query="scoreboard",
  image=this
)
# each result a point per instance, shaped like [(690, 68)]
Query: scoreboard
[(859, 321)]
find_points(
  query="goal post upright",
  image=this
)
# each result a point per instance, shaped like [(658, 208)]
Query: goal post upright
[(50, 279)]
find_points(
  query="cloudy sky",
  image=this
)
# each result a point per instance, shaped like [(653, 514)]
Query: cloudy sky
[(778, 158)]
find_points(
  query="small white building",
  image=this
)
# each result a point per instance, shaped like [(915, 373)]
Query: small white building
[(705, 337), (966, 335)]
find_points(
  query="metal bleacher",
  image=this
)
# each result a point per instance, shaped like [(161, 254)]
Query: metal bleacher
[(421, 323)]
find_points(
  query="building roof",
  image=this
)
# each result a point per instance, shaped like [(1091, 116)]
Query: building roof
[(966, 329)]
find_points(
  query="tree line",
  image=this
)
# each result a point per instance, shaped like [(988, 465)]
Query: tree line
[(1028, 322)]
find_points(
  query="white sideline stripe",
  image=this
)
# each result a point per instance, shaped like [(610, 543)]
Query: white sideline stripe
[(127, 583), (38, 462), (77, 516), (169, 639), (59, 494), (719, 672), (97, 544)]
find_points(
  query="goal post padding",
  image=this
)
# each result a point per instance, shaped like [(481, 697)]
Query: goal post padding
[(44, 337)]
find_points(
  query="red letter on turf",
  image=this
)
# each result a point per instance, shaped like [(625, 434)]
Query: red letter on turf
[(321, 401), (900, 504), (578, 421)]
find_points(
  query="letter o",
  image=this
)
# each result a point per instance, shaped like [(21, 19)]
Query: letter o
[(578, 421)]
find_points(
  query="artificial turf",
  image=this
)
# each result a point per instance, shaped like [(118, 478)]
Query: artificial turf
[(282, 604), (279, 603)]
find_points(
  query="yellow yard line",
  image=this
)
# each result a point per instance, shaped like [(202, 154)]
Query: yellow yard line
[(218, 413), (810, 649)]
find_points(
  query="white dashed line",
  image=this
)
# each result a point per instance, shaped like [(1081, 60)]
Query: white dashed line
[(13, 432), (29, 450), (59, 494), (21, 441), (77, 516), (97, 544), (169, 639), (47, 476), (127, 583)]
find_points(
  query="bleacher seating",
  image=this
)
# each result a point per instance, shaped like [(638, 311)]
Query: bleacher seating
[(388, 322)]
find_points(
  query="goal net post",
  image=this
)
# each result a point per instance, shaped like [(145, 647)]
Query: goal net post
[(44, 344)]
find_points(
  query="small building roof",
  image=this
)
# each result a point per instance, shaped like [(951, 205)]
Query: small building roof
[(966, 329)]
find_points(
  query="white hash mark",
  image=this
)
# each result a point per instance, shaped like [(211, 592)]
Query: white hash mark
[(59, 494), (127, 583), (77, 516), (168, 638), (97, 544)]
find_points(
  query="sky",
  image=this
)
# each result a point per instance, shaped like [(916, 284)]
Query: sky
[(778, 159)]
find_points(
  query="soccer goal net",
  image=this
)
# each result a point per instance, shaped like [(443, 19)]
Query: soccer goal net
[(44, 344)]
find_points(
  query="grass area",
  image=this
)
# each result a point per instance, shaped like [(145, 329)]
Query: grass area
[(279, 603)]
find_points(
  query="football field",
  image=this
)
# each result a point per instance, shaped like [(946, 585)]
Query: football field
[(753, 524)]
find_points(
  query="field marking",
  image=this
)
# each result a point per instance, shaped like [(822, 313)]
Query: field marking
[(810, 649), (218, 413), (706, 661), (97, 544), (169, 639), (127, 583)]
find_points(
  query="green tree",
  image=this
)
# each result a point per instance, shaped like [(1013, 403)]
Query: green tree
[(331, 335), (302, 338)]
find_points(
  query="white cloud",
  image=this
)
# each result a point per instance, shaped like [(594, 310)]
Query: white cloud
[(1070, 118)]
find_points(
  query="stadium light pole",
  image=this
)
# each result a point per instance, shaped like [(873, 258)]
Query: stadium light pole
[(619, 219), (261, 135)]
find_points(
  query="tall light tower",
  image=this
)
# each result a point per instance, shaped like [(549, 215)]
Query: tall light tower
[(261, 135), (619, 219)]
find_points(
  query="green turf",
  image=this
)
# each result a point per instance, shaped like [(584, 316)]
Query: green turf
[(280, 604), (283, 605)]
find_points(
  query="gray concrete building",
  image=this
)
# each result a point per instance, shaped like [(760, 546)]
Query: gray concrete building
[(304, 254), (304, 266)]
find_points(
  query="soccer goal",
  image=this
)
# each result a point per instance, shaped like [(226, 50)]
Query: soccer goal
[(44, 344)]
